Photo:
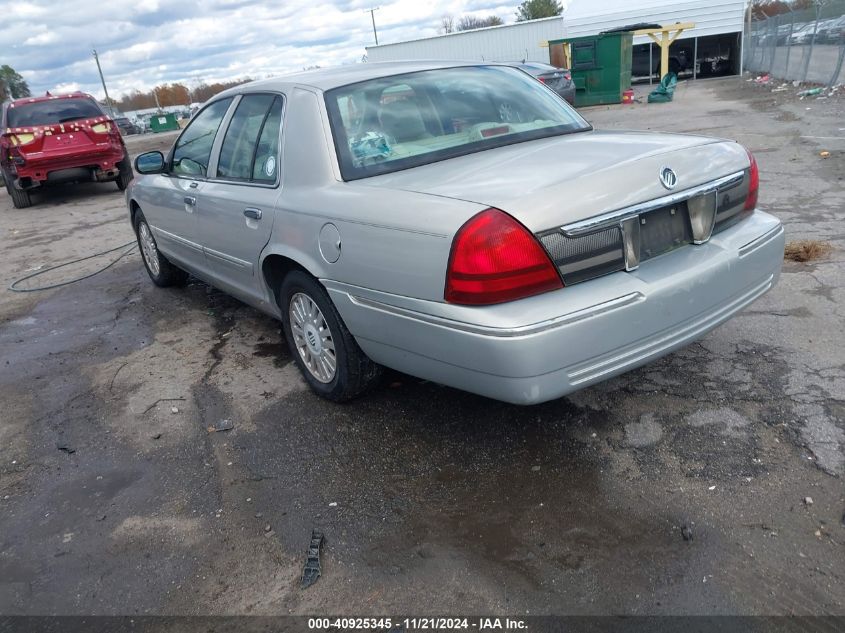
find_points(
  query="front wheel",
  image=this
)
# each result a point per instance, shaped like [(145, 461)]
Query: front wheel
[(326, 353), (159, 268)]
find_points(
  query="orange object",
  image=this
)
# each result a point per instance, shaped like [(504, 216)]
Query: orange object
[(628, 96)]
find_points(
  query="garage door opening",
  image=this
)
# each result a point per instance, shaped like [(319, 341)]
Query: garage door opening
[(690, 58)]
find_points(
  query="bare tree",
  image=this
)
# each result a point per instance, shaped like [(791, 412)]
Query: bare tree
[(470, 22), (447, 24)]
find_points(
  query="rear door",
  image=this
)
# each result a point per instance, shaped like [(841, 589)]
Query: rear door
[(238, 201), (172, 201)]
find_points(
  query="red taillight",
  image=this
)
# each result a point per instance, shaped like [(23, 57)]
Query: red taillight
[(567, 76), (495, 259), (542, 80), (753, 184)]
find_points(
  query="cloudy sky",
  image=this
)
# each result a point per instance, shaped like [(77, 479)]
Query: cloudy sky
[(142, 43)]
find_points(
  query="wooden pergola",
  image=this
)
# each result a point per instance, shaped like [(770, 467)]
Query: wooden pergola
[(560, 55), (668, 34)]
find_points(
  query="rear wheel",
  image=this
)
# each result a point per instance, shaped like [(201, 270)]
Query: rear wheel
[(326, 353), (159, 268), (125, 175), (20, 198)]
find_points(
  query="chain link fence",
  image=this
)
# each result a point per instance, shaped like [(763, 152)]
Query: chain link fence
[(807, 46)]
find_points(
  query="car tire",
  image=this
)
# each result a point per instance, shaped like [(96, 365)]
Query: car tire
[(328, 356), (159, 268), (125, 173), (20, 198)]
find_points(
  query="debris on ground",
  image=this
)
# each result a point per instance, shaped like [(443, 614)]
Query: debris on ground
[(824, 154), (268, 528), (686, 532), (64, 446), (665, 91), (762, 79), (174, 409), (806, 250), (808, 501), (153, 405), (221, 425), (810, 92), (157, 436), (311, 571), (333, 504)]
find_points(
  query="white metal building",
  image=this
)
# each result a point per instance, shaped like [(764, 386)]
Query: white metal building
[(717, 34), (508, 42), (711, 17)]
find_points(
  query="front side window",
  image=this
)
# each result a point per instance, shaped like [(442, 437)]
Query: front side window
[(193, 149), (392, 123), (60, 110), (251, 143)]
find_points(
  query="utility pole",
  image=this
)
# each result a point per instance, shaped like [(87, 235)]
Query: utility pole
[(100, 70), (372, 13)]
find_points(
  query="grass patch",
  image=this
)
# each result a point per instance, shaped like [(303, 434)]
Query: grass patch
[(806, 250)]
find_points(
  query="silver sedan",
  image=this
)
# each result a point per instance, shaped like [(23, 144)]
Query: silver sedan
[(459, 223)]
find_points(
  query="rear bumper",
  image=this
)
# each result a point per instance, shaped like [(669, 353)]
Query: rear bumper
[(547, 346), (38, 168)]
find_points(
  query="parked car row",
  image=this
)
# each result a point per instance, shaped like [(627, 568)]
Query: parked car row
[(830, 31)]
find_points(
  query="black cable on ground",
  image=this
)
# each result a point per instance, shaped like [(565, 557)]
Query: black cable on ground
[(129, 247)]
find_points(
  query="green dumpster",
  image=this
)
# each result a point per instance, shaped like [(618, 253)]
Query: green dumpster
[(164, 122), (601, 66)]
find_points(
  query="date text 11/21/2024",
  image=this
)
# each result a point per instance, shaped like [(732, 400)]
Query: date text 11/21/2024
[(418, 624)]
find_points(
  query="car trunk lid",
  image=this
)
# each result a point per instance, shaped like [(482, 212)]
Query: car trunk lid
[(565, 179), (71, 137)]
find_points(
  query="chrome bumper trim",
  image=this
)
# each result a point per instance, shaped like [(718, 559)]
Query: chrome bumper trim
[(614, 217)]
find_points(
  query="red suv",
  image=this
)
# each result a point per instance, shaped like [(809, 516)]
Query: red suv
[(61, 138)]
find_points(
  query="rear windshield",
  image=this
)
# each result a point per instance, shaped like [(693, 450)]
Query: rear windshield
[(51, 112), (392, 123)]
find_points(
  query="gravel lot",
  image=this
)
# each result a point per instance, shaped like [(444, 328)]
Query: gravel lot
[(115, 498)]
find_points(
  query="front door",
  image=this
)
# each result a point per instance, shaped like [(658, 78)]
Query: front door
[(172, 205), (239, 199)]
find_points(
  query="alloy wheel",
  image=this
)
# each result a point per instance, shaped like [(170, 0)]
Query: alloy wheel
[(312, 337), (148, 248)]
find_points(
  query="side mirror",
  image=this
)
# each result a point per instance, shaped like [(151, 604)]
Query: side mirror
[(150, 163)]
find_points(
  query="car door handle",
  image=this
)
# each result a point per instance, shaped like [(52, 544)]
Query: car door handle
[(252, 212), (191, 200), (194, 185)]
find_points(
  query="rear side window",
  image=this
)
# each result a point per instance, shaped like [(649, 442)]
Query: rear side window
[(193, 149), (250, 147), (61, 110), (266, 163)]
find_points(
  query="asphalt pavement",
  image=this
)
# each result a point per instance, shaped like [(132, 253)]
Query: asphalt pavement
[(708, 482)]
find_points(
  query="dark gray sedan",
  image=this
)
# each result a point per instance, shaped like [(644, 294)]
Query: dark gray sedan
[(558, 79)]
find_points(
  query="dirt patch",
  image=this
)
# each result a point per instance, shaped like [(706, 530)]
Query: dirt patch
[(806, 250)]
